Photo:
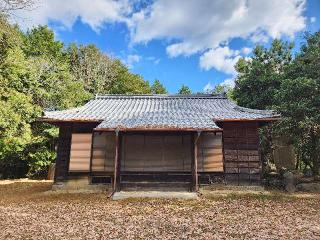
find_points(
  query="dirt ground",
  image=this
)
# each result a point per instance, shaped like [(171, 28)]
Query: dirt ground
[(28, 211)]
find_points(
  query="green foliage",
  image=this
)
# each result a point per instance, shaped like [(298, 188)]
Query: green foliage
[(272, 79), (260, 76), (17, 112), (92, 68), (299, 102), (40, 41), (126, 82), (158, 88), (40, 152), (37, 72), (57, 87), (184, 90), (221, 88)]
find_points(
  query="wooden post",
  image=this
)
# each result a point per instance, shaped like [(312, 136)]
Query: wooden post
[(116, 163), (194, 163)]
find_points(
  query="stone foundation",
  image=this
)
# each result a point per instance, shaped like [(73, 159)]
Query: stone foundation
[(81, 184)]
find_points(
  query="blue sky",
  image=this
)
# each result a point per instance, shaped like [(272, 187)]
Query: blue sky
[(191, 42)]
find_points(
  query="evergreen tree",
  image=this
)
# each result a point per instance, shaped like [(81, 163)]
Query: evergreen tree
[(260, 77), (184, 90), (158, 88)]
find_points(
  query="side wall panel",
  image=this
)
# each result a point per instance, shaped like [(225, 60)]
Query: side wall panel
[(64, 148), (210, 157), (63, 153), (80, 152), (241, 153), (103, 152), (156, 152)]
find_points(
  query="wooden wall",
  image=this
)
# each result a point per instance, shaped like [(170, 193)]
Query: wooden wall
[(80, 152), (210, 157), (64, 146), (103, 153), (63, 153), (241, 152), (170, 152), (155, 152)]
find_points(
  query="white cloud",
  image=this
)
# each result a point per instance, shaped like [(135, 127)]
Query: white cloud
[(188, 28), (154, 60), (221, 58), (246, 50), (313, 19), (259, 37), (194, 26), (197, 27), (95, 13), (132, 59), (208, 87), (229, 82)]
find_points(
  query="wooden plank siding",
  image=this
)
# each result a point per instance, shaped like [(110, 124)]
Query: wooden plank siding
[(156, 152), (241, 153), (165, 151), (80, 152), (210, 156), (103, 152), (64, 146)]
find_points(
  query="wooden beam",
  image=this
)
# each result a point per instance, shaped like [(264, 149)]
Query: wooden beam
[(144, 129), (116, 163), (273, 119), (53, 120), (194, 163)]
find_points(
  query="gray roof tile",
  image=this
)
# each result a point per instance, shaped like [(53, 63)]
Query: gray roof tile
[(159, 112)]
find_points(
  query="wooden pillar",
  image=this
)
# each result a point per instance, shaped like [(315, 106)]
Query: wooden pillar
[(194, 163), (116, 163)]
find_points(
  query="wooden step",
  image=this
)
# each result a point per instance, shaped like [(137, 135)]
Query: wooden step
[(155, 177), (155, 186)]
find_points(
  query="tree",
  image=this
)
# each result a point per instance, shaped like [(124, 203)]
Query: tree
[(299, 106), (184, 90), (40, 42), (38, 73), (126, 82), (221, 88), (260, 77), (299, 102), (91, 67), (17, 109), (57, 86), (273, 79), (158, 88)]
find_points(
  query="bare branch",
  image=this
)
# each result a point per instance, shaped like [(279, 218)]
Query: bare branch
[(9, 6)]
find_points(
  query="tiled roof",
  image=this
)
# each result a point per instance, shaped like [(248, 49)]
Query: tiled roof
[(159, 112)]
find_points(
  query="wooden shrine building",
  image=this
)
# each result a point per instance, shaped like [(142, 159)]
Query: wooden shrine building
[(159, 140)]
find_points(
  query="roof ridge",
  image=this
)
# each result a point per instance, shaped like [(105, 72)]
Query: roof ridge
[(160, 96)]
